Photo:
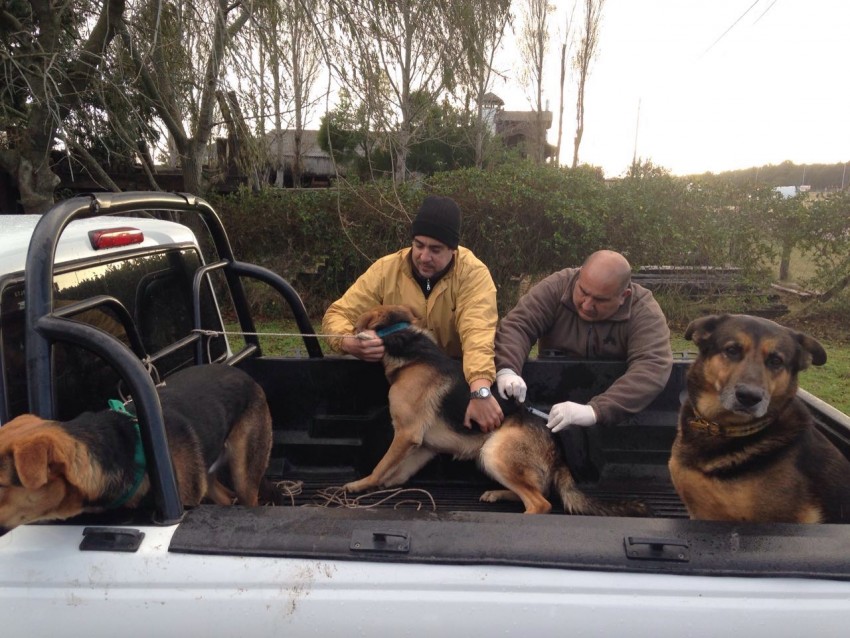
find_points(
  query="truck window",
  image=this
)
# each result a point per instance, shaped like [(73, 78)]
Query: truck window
[(156, 290)]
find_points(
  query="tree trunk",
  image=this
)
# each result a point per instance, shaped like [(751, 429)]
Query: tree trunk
[(837, 288), (192, 164), (561, 108), (35, 181), (785, 261), (28, 161), (402, 150)]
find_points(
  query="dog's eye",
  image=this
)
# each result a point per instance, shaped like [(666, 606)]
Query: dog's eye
[(774, 361), (733, 351)]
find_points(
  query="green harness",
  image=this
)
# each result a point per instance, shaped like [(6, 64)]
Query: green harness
[(139, 460)]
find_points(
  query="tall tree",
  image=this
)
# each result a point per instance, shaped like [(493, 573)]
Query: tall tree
[(391, 51), (50, 56), (345, 134), (566, 42), (585, 53), (304, 68), (481, 25), (284, 42), (178, 51), (533, 44)]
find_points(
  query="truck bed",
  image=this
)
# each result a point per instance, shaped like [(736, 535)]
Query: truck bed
[(447, 496), (332, 425)]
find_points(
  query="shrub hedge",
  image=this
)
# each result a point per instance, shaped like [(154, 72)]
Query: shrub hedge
[(524, 221)]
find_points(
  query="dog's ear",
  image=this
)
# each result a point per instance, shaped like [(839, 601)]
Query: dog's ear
[(414, 313), (24, 422), (810, 351), (32, 461), (44, 454), (699, 330), (408, 314), (363, 321)]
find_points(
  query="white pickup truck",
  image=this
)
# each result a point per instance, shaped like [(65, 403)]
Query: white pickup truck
[(101, 291)]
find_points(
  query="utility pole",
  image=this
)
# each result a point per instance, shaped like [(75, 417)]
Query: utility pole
[(637, 127)]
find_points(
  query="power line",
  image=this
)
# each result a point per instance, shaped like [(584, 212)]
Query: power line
[(741, 17), (770, 6)]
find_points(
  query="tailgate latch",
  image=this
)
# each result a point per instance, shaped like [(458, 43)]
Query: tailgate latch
[(672, 549), (111, 539), (364, 540)]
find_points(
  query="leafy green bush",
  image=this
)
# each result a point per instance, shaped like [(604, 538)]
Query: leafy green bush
[(523, 220)]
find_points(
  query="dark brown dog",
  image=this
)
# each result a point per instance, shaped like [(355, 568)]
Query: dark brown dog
[(747, 448), (215, 417), (428, 398)]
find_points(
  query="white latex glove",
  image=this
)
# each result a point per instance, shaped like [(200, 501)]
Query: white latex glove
[(510, 384), (568, 413)]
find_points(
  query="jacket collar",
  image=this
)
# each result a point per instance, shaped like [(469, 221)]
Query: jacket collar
[(422, 281)]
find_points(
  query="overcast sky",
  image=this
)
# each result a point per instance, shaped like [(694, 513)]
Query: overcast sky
[(711, 85)]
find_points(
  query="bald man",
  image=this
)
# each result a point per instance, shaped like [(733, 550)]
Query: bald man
[(592, 312)]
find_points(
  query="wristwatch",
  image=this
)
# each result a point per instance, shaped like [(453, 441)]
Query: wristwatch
[(480, 393)]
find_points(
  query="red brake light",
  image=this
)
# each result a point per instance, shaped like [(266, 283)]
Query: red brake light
[(113, 237)]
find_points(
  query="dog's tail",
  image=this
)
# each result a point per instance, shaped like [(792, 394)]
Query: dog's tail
[(577, 502)]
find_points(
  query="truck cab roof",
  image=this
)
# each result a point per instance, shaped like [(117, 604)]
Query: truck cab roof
[(75, 243)]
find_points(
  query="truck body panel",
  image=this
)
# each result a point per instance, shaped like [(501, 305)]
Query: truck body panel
[(426, 558), (154, 592)]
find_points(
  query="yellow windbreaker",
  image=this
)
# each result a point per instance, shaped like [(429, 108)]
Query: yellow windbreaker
[(460, 312)]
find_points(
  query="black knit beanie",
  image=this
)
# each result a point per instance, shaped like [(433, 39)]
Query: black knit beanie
[(438, 218)]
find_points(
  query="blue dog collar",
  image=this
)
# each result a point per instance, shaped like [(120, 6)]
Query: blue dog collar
[(396, 327), (139, 460)]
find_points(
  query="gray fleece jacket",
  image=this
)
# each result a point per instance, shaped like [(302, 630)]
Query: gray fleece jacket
[(637, 334)]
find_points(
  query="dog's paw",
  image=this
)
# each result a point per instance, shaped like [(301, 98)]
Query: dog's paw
[(494, 496), (355, 486)]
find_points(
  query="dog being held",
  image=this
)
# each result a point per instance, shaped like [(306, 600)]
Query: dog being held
[(747, 448), (216, 417), (428, 398)]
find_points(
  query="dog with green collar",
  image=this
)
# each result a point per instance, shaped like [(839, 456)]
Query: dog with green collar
[(215, 417)]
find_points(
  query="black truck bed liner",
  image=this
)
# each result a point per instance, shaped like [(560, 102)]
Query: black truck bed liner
[(447, 496)]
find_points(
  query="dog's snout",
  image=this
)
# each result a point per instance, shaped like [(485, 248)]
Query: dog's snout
[(748, 396)]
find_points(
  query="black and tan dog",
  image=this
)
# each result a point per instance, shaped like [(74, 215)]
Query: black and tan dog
[(747, 448), (215, 416), (428, 398)]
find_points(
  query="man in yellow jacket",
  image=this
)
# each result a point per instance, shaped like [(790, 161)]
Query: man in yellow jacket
[(448, 286)]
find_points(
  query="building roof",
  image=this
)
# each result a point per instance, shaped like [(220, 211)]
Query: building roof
[(524, 117), (309, 143), (492, 98)]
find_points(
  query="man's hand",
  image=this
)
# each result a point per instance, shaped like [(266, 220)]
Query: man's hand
[(485, 412), (366, 345), (568, 413), (510, 384)]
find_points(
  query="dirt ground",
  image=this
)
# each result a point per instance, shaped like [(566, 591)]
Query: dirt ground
[(829, 322), (822, 321)]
